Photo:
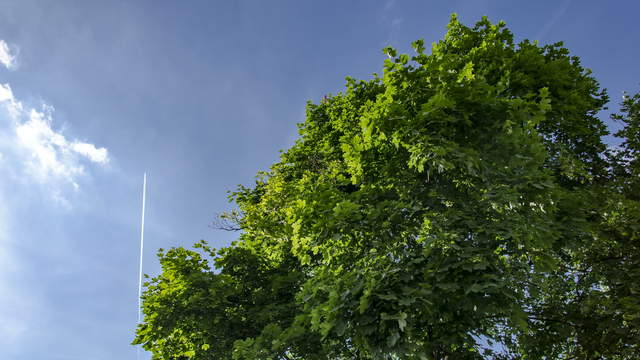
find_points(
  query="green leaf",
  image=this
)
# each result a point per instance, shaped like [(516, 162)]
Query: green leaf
[(393, 339), (427, 202)]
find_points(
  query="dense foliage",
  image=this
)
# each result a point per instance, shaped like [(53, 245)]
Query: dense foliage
[(461, 206)]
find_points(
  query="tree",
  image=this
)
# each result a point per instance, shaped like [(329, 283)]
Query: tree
[(461, 206)]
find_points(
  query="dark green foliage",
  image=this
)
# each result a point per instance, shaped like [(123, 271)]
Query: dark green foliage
[(463, 199)]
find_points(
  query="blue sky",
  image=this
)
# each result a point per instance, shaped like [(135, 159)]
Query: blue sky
[(201, 95)]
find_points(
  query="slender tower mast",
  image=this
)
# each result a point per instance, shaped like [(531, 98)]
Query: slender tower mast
[(144, 193)]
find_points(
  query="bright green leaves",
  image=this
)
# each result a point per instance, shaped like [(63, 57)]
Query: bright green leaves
[(467, 73), (418, 46), (438, 102), (401, 318), (363, 302), (194, 312), (544, 106), (464, 195), (346, 209), (390, 52), (627, 159)]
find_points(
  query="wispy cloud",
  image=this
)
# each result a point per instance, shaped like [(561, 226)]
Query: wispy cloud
[(9, 102), (43, 153), (91, 152), (554, 19), (13, 324), (389, 4), (6, 57), (34, 154), (392, 22)]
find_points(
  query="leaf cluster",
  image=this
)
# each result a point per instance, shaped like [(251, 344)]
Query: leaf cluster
[(462, 205)]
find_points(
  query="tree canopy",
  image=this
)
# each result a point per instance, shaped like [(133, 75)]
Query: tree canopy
[(463, 205)]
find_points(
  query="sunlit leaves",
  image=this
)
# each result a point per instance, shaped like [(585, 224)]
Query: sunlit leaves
[(463, 198)]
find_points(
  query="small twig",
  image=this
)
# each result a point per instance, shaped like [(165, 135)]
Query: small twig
[(227, 221)]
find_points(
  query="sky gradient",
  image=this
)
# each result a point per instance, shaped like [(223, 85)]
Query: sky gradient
[(201, 95)]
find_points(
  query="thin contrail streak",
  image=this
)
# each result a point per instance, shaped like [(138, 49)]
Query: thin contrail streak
[(554, 19), (144, 193)]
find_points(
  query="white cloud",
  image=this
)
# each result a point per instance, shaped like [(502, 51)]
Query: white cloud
[(5, 93), (6, 97), (36, 158), (14, 310), (6, 57), (91, 152), (49, 150), (39, 151)]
